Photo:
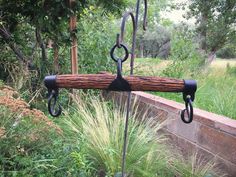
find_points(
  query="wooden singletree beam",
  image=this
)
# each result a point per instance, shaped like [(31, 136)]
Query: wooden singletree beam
[(103, 81)]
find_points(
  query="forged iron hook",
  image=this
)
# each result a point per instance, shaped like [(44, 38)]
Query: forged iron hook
[(52, 102), (188, 109), (190, 87), (119, 42), (123, 23), (145, 13)]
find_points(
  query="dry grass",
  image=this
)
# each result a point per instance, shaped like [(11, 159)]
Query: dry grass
[(222, 63)]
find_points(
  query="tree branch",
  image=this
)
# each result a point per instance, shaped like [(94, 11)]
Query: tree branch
[(41, 43), (6, 35)]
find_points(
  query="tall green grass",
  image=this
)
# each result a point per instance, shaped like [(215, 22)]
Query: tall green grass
[(99, 127), (216, 92)]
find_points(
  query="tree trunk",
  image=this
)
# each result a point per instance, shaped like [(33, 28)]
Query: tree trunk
[(6, 35), (203, 31), (211, 57), (141, 49), (41, 44), (43, 52)]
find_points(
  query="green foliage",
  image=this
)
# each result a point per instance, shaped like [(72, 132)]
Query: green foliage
[(49, 15), (25, 26), (197, 165), (97, 35), (29, 147), (217, 92), (155, 42), (90, 145), (215, 20), (186, 59), (1, 83), (231, 70), (101, 128), (228, 52)]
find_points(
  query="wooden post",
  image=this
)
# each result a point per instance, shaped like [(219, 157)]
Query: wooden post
[(74, 50)]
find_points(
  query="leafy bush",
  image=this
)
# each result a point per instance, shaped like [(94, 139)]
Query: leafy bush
[(229, 51), (30, 143), (155, 42), (186, 59), (97, 35)]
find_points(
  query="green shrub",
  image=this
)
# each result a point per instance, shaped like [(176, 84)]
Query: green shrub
[(196, 165), (31, 147), (155, 42), (101, 128), (186, 59), (1, 83), (229, 51), (97, 35)]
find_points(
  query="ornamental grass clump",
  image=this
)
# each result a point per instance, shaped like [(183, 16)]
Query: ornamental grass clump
[(98, 127), (101, 127)]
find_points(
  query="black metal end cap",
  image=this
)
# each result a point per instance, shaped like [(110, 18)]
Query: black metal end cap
[(190, 87), (50, 82)]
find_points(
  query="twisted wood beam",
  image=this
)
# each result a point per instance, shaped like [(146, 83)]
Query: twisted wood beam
[(103, 81)]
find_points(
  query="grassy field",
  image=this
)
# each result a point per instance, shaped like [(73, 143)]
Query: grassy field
[(216, 84), (222, 63), (153, 66)]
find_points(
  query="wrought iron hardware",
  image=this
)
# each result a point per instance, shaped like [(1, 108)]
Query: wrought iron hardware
[(121, 83)]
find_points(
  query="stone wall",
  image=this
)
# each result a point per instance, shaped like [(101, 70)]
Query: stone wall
[(211, 135)]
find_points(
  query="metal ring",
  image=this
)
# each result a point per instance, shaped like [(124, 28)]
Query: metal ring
[(116, 58), (189, 109)]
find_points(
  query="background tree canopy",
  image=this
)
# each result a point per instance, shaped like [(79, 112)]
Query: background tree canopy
[(216, 22), (28, 28), (47, 18)]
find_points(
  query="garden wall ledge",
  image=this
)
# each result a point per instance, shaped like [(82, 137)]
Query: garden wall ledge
[(210, 134)]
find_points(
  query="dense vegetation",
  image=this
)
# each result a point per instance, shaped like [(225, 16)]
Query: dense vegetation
[(85, 143), (35, 41)]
